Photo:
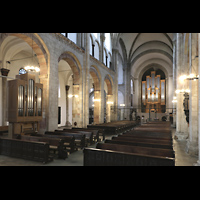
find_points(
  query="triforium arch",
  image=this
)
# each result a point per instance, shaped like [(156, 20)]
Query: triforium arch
[(43, 57), (75, 66)]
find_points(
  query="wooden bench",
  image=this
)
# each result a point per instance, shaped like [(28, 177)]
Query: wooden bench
[(88, 134), (29, 150), (69, 141), (79, 138), (55, 144), (150, 134), (101, 131), (102, 157), (137, 149), (3, 129), (94, 131), (141, 142), (113, 128)]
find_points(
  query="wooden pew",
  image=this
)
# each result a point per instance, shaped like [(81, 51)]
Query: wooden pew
[(113, 128), (3, 129), (94, 131), (88, 134), (141, 142), (102, 157), (79, 138), (137, 149), (55, 144), (29, 150), (150, 134), (69, 141)]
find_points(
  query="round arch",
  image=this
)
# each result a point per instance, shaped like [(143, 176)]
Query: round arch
[(74, 63), (39, 47)]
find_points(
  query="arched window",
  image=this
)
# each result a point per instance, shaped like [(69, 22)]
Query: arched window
[(109, 60), (91, 46), (96, 50), (72, 37), (105, 58), (108, 41)]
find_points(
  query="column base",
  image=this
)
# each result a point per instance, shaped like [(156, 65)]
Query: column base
[(197, 164), (191, 148), (180, 136)]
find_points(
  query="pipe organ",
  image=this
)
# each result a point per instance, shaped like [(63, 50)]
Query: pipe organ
[(153, 93), (24, 104)]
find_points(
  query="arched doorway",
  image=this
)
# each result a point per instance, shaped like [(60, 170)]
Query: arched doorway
[(69, 83), (95, 95), (108, 88)]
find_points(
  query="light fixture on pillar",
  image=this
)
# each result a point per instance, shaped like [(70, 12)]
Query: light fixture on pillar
[(71, 95), (97, 100), (190, 77), (182, 91), (174, 100)]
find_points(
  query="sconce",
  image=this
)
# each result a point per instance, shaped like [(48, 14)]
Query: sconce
[(109, 102), (97, 100), (70, 96)]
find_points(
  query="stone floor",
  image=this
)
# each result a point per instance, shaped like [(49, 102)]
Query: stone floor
[(76, 159)]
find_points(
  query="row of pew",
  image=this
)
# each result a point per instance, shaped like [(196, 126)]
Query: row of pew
[(59, 143), (149, 144), (45, 147)]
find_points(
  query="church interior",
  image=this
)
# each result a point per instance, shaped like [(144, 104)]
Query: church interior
[(77, 94)]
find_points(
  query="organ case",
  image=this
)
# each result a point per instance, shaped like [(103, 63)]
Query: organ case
[(25, 98)]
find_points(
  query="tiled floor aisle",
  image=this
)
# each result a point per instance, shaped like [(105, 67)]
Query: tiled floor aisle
[(76, 159)]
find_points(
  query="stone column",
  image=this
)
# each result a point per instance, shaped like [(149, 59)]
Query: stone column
[(85, 86), (174, 82), (97, 99), (67, 110), (198, 162), (180, 134), (76, 110), (192, 142), (115, 92), (102, 39), (109, 103), (4, 72)]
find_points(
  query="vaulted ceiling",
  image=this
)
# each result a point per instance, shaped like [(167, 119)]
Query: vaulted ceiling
[(138, 48)]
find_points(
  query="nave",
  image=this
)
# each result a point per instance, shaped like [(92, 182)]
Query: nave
[(76, 159)]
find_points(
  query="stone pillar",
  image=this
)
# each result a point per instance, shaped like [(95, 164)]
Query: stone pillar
[(45, 124), (86, 81), (4, 72), (102, 101), (115, 88), (181, 124), (102, 39), (109, 103), (174, 82), (198, 162), (192, 142), (127, 98), (76, 110), (67, 110), (97, 99)]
